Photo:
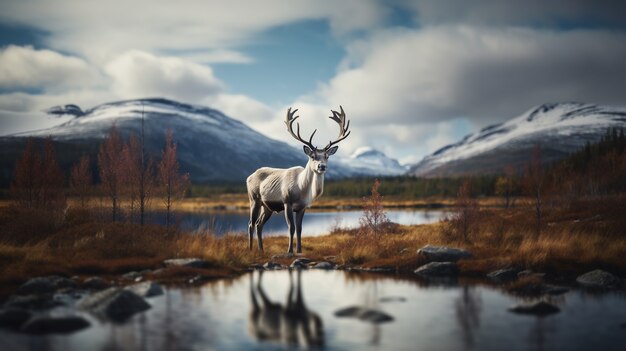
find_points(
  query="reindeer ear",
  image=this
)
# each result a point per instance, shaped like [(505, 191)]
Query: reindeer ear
[(308, 151), (332, 150)]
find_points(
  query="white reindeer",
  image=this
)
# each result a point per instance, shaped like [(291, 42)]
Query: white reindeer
[(293, 189)]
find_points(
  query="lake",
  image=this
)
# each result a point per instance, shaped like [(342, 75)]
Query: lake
[(222, 315), (314, 223)]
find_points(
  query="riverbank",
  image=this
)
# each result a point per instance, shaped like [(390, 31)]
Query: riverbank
[(583, 237)]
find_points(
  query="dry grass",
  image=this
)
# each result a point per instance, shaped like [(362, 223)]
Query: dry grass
[(587, 235)]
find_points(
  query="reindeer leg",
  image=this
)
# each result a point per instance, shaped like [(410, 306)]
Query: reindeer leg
[(290, 224), (254, 216), (265, 215), (299, 217)]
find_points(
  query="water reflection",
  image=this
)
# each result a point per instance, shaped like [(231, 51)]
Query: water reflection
[(468, 308), (314, 223), (292, 324), (427, 316)]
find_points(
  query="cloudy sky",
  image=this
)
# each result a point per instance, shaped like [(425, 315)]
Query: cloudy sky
[(411, 75)]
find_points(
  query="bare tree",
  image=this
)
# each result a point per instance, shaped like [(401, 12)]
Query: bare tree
[(27, 177), (131, 176), (81, 179), (534, 181), (109, 162), (505, 185), (466, 212), (374, 220), (52, 191), (172, 182)]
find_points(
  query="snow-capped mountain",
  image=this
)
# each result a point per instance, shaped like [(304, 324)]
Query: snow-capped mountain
[(559, 129), (211, 145), (368, 161)]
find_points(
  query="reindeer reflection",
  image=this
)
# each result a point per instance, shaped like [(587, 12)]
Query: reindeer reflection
[(292, 324)]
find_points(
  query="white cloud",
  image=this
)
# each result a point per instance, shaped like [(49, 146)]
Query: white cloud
[(216, 56), (100, 30), (413, 79), (241, 107), (413, 76), (139, 74), (26, 67)]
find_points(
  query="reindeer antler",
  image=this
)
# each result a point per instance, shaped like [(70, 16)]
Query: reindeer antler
[(340, 118), (289, 122)]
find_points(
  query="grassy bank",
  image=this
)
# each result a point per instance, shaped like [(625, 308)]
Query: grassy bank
[(586, 235)]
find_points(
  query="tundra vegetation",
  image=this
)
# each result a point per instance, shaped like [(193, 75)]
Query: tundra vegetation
[(562, 219)]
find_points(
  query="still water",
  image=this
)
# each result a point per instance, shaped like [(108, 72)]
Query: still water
[(254, 312), (314, 223)]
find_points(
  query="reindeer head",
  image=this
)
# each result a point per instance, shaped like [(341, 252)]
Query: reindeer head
[(318, 158)]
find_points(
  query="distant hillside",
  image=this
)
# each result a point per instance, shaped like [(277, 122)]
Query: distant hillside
[(212, 147), (560, 129)]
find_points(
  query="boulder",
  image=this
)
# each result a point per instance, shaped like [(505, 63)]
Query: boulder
[(365, 314), (300, 263), (39, 285), (131, 275), (187, 262), (14, 318), (437, 269), (32, 302), (443, 254), (598, 279), (324, 265), (503, 275), (116, 304), (540, 308), (146, 289), (50, 325), (95, 283), (271, 265)]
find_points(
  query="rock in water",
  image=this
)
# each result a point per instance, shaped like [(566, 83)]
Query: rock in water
[(503, 275), (116, 304), (598, 279), (540, 308), (324, 265), (443, 254), (365, 314), (437, 269), (14, 318), (270, 265), (146, 289), (95, 283), (39, 285), (187, 262), (49, 325), (300, 263)]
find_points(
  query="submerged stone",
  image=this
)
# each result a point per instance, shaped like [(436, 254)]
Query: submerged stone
[(146, 289), (55, 325), (39, 285), (270, 265), (540, 308), (115, 304), (443, 254), (187, 262), (365, 314), (14, 318), (95, 283), (324, 265), (503, 275), (437, 269)]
